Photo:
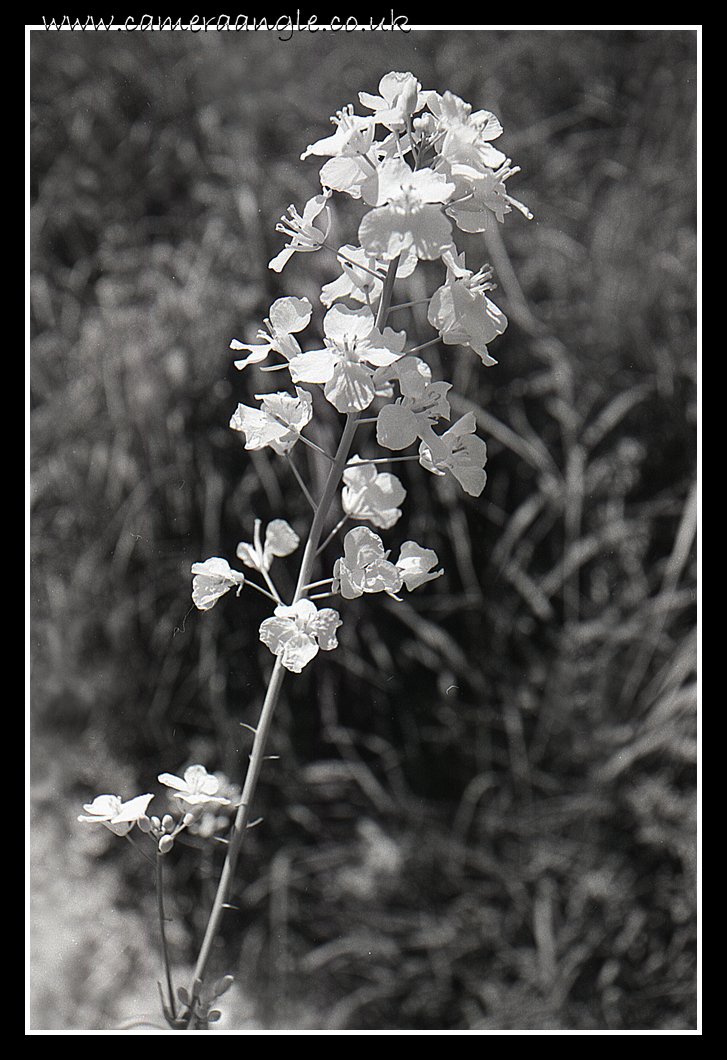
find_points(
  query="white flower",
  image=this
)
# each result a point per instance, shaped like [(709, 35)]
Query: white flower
[(364, 567), (415, 564), (197, 788), (483, 194), (394, 180), (119, 817), (353, 136), (466, 135), (212, 579), (357, 281), (277, 424), (371, 495), (400, 97), (458, 450), (287, 315), (306, 236), (405, 223), (462, 313), (352, 344), (296, 633), (280, 540)]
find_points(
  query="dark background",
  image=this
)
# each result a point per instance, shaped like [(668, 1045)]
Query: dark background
[(484, 812)]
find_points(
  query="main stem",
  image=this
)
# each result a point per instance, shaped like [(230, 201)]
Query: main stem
[(257, 755)]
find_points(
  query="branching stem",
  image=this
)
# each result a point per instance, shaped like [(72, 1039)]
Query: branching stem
[(257, 755)]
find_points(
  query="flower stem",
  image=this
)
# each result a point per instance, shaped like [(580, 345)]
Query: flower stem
[(162, 930), (257, 755)]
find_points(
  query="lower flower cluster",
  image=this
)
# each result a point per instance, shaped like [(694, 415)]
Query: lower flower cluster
[(296, 632)]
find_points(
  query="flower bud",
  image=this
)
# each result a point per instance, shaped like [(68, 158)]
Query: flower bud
[(165, 844)]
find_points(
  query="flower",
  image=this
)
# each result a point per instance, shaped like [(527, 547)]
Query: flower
[(306, 236), (119, 817), (197, 788), (415, 564), (405, 222), (462, 313), (422, 402), (352, 343), (212, 579), (357, 281), (353, 136), (466, 135), (483, 194), (458, 450), (399, 98), (287, 315), (280, 540), (296, 632), (277, 424), (364, 567), (344, 173), (394, 179), (371, 495)]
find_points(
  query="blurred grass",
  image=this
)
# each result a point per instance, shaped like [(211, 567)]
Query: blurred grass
[(484, 812)]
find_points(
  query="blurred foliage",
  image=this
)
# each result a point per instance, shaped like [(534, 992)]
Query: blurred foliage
[(484, 811)]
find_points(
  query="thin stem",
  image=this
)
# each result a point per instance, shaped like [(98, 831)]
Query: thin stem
[(238, 831), (308, 442), (383, 460), (275, 598), (316, 585), (271, 587), (430, 342), (333, 532), (405, 305), (301, 482), (162, 931), (138, 849), (257, 755)]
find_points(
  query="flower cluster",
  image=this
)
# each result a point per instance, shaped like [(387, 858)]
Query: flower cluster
[(198, 792), (424, 165)]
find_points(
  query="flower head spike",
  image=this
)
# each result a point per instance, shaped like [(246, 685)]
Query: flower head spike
[(287, 315), (372, 495), (305, 235), (212, 579), (196, 789), (297, 632), (119, 817), (280, 540)]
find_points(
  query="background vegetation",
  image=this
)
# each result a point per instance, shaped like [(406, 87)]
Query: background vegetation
[(484, 812)]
